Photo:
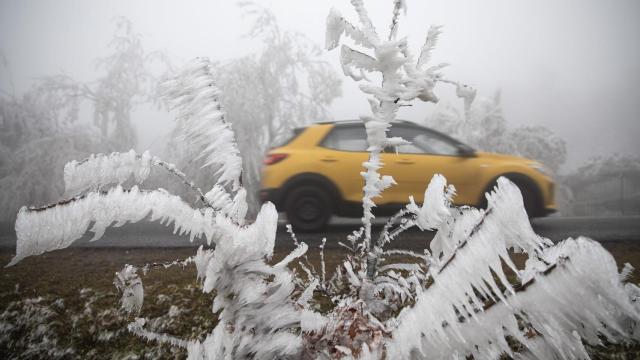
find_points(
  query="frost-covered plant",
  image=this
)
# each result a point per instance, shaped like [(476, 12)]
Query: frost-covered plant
[(30, 324), (93, 327), (468, 306), (237, 272), (464, 297)]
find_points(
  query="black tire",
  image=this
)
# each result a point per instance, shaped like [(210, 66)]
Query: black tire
[(530, 200), (308, 208), (529, 196)]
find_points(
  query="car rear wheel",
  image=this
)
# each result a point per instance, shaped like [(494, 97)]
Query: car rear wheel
[(308, 208)]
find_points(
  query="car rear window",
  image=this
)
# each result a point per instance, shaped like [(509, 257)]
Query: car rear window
[(286, 139)]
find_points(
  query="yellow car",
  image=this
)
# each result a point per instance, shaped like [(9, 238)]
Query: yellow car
[(316, 174)]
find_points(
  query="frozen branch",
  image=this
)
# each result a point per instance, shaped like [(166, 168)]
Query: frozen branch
[(397, 6), (57, 226), (100, 170), (201, 120), (137, 328)]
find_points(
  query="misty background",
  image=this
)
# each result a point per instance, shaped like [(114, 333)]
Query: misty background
[(572, 67)]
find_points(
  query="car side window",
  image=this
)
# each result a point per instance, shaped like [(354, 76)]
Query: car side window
[(423, 142), (347, 138)]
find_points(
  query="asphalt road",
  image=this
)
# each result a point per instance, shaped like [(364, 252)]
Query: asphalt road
[(146, 234)]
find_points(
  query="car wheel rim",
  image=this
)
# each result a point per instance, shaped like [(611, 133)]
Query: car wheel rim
[(308, 209)]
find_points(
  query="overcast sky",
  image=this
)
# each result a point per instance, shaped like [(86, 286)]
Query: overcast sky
[(573, 66)]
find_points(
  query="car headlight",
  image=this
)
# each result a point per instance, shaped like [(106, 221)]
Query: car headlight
[(541, 168)]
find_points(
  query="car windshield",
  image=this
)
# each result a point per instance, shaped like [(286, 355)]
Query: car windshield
[(423, 142)]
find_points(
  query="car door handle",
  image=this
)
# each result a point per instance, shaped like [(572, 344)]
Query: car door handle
[(405, 161), (329, 159)]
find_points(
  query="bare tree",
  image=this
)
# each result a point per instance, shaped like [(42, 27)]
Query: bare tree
[(43, 128), (127, 82), (39, 132), (603, 185)]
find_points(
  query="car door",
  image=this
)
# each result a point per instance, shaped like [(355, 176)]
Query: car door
[(429, 153), (341, 157)]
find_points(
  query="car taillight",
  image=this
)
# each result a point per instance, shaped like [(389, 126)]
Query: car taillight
[(274, 158)]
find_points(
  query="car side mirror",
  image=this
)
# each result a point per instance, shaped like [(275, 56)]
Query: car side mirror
[(466, 151)]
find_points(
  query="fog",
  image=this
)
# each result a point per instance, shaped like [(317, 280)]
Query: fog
[(573, 66)]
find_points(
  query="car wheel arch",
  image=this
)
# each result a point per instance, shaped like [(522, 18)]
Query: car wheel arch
[(523, 182)]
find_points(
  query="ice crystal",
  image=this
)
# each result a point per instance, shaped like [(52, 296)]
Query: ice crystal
[(99, 170), (201, 119), (58, 226), (130, 285)]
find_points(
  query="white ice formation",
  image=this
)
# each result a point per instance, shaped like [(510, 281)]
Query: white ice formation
[(200, 119)]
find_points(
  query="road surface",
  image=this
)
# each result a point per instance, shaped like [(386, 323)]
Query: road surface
[(146, 234)]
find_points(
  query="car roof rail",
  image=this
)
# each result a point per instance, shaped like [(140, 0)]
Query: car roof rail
[(352, 121)]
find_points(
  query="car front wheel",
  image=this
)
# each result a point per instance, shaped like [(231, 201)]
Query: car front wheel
[(529, 196)]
